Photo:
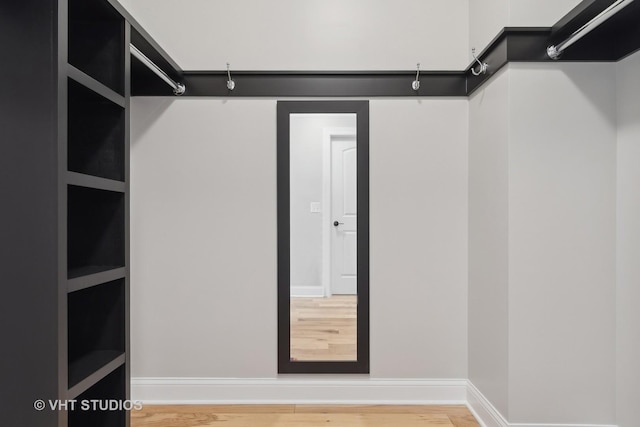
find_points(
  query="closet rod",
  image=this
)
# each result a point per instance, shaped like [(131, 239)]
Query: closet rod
[(178, 88), (554, 51)]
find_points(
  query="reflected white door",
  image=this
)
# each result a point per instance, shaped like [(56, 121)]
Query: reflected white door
[(344, 215)]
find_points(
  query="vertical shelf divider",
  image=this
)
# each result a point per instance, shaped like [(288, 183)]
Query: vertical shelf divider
[(127, 208)]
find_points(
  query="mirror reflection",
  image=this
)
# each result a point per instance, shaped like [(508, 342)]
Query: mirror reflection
[(323, 218)]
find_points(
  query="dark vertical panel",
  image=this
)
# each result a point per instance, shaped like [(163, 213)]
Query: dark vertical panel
[(284, 242), (363, 235), (127, 223), (28, 214), (62, 165)]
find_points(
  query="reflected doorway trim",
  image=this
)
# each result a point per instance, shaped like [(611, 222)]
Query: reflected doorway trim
[(285, 364)]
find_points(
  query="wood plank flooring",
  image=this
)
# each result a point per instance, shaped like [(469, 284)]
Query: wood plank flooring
[(302, 416), (324, 328)]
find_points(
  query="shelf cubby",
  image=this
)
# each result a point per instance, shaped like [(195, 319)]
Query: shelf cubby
[(96, 231), (96, 331), (97, 41), (96, 134), (109, 392)]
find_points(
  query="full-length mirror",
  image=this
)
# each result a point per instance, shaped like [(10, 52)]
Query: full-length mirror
[(323, 264)]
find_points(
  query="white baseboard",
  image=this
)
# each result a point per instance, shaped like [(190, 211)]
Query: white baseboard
[(307, 291), (559, 425), (327, 391), (488, 416), (354, 391)]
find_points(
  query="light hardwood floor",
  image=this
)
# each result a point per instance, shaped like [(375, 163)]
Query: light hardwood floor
[(302, 416), (324, 328)]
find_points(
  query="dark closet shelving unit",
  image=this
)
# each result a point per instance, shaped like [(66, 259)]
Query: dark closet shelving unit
[(64, 225), (97, 306)]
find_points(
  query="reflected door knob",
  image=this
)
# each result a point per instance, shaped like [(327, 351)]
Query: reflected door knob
[(336, 223)]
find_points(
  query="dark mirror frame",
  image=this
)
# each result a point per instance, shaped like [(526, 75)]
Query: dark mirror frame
[(285, 364)]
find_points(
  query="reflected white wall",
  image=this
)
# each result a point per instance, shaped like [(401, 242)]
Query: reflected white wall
[(306, 178)]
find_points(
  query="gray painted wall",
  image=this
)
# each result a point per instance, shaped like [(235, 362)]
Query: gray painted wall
[(488, 240), (203, 238), (418, 225), (628, 247), (203, 221), (542, 243), (309, 34), (562, 178)]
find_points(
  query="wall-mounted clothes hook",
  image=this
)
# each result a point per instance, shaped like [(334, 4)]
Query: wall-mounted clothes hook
[(415, 85), (483, 65), (230, 83)]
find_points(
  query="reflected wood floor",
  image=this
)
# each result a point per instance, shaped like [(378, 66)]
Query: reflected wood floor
[(302, 416), (324, 328)]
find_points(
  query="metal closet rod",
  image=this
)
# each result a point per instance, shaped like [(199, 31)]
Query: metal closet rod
[(554, 51), (178, 88)]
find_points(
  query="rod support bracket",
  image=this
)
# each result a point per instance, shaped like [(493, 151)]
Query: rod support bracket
[(553, 52), (179, 90)]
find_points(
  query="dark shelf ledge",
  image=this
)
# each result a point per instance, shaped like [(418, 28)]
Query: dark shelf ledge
[(325, 84), (90, 369), (97, 183), (95, 86), (86, 277)]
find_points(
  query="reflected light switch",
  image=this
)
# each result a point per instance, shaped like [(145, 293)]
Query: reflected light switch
[(315, 207)]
